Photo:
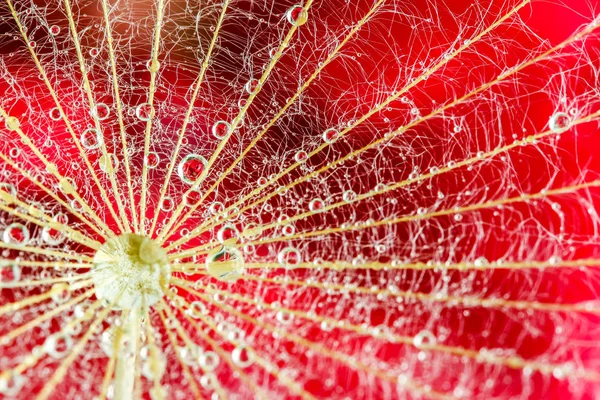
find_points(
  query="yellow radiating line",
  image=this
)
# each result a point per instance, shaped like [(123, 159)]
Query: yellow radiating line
[(188, 114), (50, 167), (154, 66), (88, 89), (110, 368), (513, 362), (60, 372), (32, 283), (238, 119), (169, 229), (391, 337), (210, 223), (188, 341), (266, 365), (37, 250), (118, 104), (529, 140), (44, 264), (417, 217), (65, 184), (349, 361), (17, 305), (466, 301), (154, 363), (51, 193), (186, 370), (47, 221), (419, 266), (257, 391), (32, 359), (44, 317)]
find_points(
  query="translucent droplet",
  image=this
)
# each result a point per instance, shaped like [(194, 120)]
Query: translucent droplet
[(242, 357), (297, 15), (144, 112), (251, 86), (225, 264), (197, 309), (301, 156), (191, 167), (12, 123), (17, 234), (8, 188), (316, 205), (58, 345), (289, 257), (91, 139), (11, 384), (154, 365), (10, 273), (105, 165), (208, 360), (192, 198), (152, 160), (228, 234), (216, 207), (55, 114), (167, 204), (560, 122), (285, 317), (61, 293), (349, 196), (101, 111), (53, 236), (220, 129), (424, 339), (54, 30), (330, 135)]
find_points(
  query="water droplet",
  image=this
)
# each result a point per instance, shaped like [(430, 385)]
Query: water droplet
[(228, 234), (10, 273), (289, 257), (197, 309), (242, 357), (144, 112), (216, 208), (297, 15), (225, 264), (424, 339), (285, 317), (349, 196), (167, 204), (12, 123), (105, 164), (220, 129), (251, 86), (16, 234), (152, 160), (58, 345), (55, 114), (316, 205), (208, 360), (191, 167), (91, 139), (101, 111), (330, 135), (560, 122), (61, 293), (54, 30), (53, 236), (301, 156)]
